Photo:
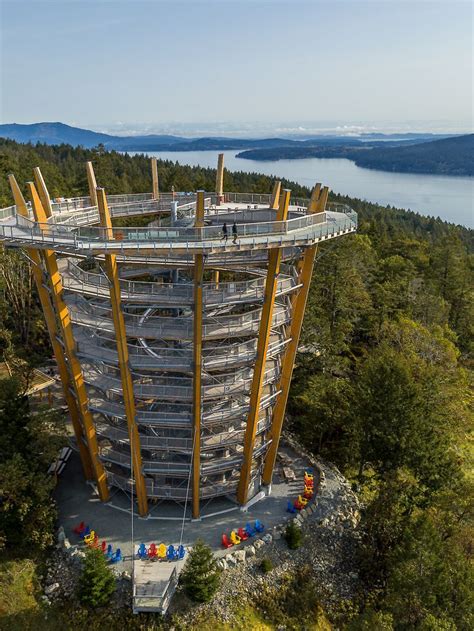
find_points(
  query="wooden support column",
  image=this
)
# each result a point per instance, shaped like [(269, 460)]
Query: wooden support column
[(317, 205), (51, 324), (91, 181), (43, 192), (111, 268), (274, 260), (275, 198), (64, 320), (197, 360), (215, 278), (220, 179), (154, 178)]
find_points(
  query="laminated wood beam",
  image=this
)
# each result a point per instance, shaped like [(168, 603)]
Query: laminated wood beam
[(154, 179), (65, 325), (317, 204), (91, 181), (274, 260), (197, 361), (53, 331), (111, 269)]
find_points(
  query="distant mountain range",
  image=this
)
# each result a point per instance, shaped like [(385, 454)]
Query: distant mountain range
[(57, 133), (412, 152)]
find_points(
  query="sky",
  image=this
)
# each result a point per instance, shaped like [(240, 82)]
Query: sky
[(128, 65)]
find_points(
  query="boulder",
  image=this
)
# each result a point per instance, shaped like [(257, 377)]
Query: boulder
[(222, 563), (259, 543), (239, 556), (49, 589), (250, 550), (267, 538)]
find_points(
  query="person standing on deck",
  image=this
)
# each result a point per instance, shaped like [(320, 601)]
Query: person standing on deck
[(234, 232), (224, 232)]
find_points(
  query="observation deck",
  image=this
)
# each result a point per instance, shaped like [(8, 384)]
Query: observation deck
[(175, 343)]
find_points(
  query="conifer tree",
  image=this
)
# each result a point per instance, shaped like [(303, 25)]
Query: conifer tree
[(97, 583), (200, 576)]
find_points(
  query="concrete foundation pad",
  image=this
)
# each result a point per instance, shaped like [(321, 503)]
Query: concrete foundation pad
[(77, 501)]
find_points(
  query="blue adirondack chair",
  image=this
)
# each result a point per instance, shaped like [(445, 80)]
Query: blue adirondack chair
[(117, 556), (171, 553), (250, 530), (109, 552), (259, 527), (181, 552), (290, 507), (142, 551)]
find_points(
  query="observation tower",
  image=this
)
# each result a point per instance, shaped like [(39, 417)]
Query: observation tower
[(175, 344)]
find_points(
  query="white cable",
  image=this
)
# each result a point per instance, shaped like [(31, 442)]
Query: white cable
[(187, 489)]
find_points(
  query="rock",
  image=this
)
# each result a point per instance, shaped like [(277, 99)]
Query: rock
[(250, 550), (66, 544), (259, 544), (277, 535), (222, 563), (61, 535), (127, 576), (239, 556), (49, 589)]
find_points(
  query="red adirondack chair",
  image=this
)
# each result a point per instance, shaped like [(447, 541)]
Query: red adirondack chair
[(79, 529), (103, 546), (242, 534), (226, 542), (152, 551)]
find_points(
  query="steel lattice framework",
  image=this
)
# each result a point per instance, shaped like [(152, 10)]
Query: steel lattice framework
[(175, 344)]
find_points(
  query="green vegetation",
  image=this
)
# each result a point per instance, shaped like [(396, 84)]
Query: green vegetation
[(293, 536), (97, 583), (28, 444), (266, 565), (381, 388), (200, 576), (294, 604)]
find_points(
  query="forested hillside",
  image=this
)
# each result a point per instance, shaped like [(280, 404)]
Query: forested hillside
[(381, 386), (448, 156)]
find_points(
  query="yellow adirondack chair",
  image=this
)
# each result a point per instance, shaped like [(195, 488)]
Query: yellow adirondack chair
[(88, 539), (161, 551), (234, 537)]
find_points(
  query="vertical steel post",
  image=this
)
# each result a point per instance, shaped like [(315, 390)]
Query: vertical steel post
[(274, 260), (317, 205), (65, 324), (51, 325), (197, 359), (91, 181), (111, 268), (154, 178)]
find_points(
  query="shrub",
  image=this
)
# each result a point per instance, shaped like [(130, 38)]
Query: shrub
[(293, 536), (200, 576), (97, 583), (266, 565)]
